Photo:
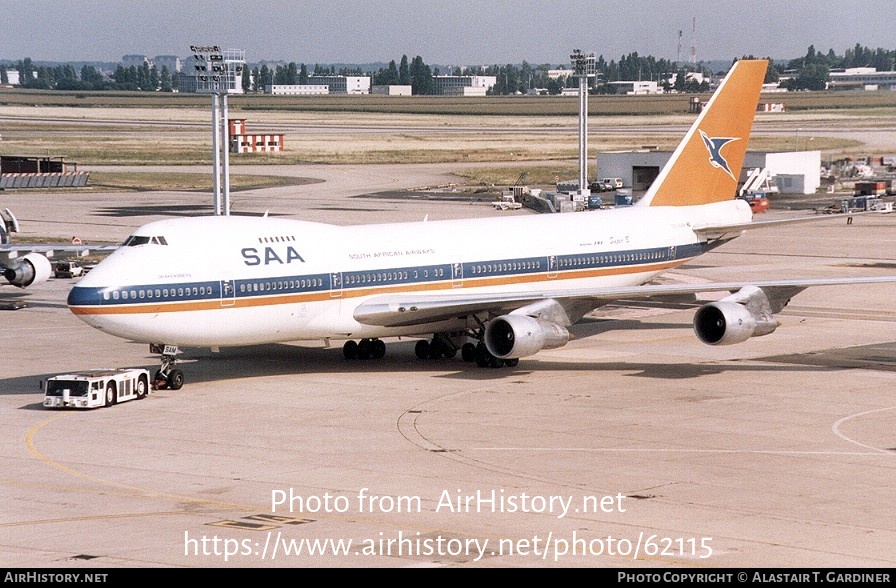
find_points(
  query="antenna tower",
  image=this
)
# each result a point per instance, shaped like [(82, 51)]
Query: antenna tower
[(694, 43), (678, 59)]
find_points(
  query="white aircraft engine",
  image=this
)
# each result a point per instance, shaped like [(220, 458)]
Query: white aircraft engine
[(517, 335), (735, 318), (32, 269)]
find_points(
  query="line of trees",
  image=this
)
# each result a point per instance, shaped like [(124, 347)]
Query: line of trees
[(415, 73), (147, 78), (65, 77), (510, 78), (810, 72), (813, 70)]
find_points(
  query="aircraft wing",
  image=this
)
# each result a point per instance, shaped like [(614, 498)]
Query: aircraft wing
[(398, 310), (24, 265), (13, 250), (27, 264), (9, 224), (566, 306)]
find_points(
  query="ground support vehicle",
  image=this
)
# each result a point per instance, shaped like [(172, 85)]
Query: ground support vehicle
[(95, 388), (67, 269)]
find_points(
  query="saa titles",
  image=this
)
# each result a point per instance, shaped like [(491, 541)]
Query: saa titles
[(251, 256)]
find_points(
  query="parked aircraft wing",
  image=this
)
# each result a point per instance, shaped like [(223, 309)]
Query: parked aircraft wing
[(407, 309)]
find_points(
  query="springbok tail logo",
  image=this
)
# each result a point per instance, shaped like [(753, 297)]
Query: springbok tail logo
[(720, 135), (714, 146)]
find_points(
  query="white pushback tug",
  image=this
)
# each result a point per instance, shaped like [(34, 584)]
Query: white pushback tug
[(96, 388)]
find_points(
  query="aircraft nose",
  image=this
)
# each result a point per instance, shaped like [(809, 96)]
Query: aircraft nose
[(81, 296)]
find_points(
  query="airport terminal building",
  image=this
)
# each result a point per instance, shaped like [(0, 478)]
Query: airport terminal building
[(463, 85), (323, 85), (862, 78), (342, 84), (297, 89)]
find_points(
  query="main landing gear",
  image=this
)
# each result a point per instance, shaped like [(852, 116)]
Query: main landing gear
[(441, 345), (167, 377), (364, 349)]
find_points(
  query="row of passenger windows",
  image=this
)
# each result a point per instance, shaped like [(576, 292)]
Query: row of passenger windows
[(282, 239), (281, 285), (512, 266), (350, 280), (150, 293), (163, 293), (378, 277), (605, 259)]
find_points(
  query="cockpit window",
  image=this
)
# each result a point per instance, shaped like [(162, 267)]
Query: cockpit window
[(135, 240)]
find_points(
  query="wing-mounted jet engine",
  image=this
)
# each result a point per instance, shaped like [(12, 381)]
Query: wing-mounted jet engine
[(749, 312), (31, 269), (518, 335), (531, 328)]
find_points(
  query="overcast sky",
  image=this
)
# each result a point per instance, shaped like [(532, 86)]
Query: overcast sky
[(458, 32)]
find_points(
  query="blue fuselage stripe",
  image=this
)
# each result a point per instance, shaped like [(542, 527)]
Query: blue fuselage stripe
[(344, 283)]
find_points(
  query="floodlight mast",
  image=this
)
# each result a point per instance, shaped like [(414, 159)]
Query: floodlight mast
[(219, 73), (584, 67)]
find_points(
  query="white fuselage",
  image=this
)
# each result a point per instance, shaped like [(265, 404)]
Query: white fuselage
[(230, 280)]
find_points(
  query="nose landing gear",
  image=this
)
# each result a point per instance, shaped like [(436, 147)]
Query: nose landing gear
[(167, 377)]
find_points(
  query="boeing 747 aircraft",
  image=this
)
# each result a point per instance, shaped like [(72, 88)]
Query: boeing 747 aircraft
[(497, 289)]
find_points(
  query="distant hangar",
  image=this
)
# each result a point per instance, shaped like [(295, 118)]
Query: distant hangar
[(793, 172)]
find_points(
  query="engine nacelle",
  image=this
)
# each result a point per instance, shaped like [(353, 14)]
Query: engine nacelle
[(517, 335), (726, 323), (32, 269)]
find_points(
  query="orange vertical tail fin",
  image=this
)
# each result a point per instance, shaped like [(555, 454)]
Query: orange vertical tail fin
[(706, 165)]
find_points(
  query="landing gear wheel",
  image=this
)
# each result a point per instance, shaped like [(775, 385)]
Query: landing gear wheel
[(512, 362), (364, 349), (468, 352), (378, 349), (350, 350), (436, 349), (175, 379), (421, 349), (482, 356)]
